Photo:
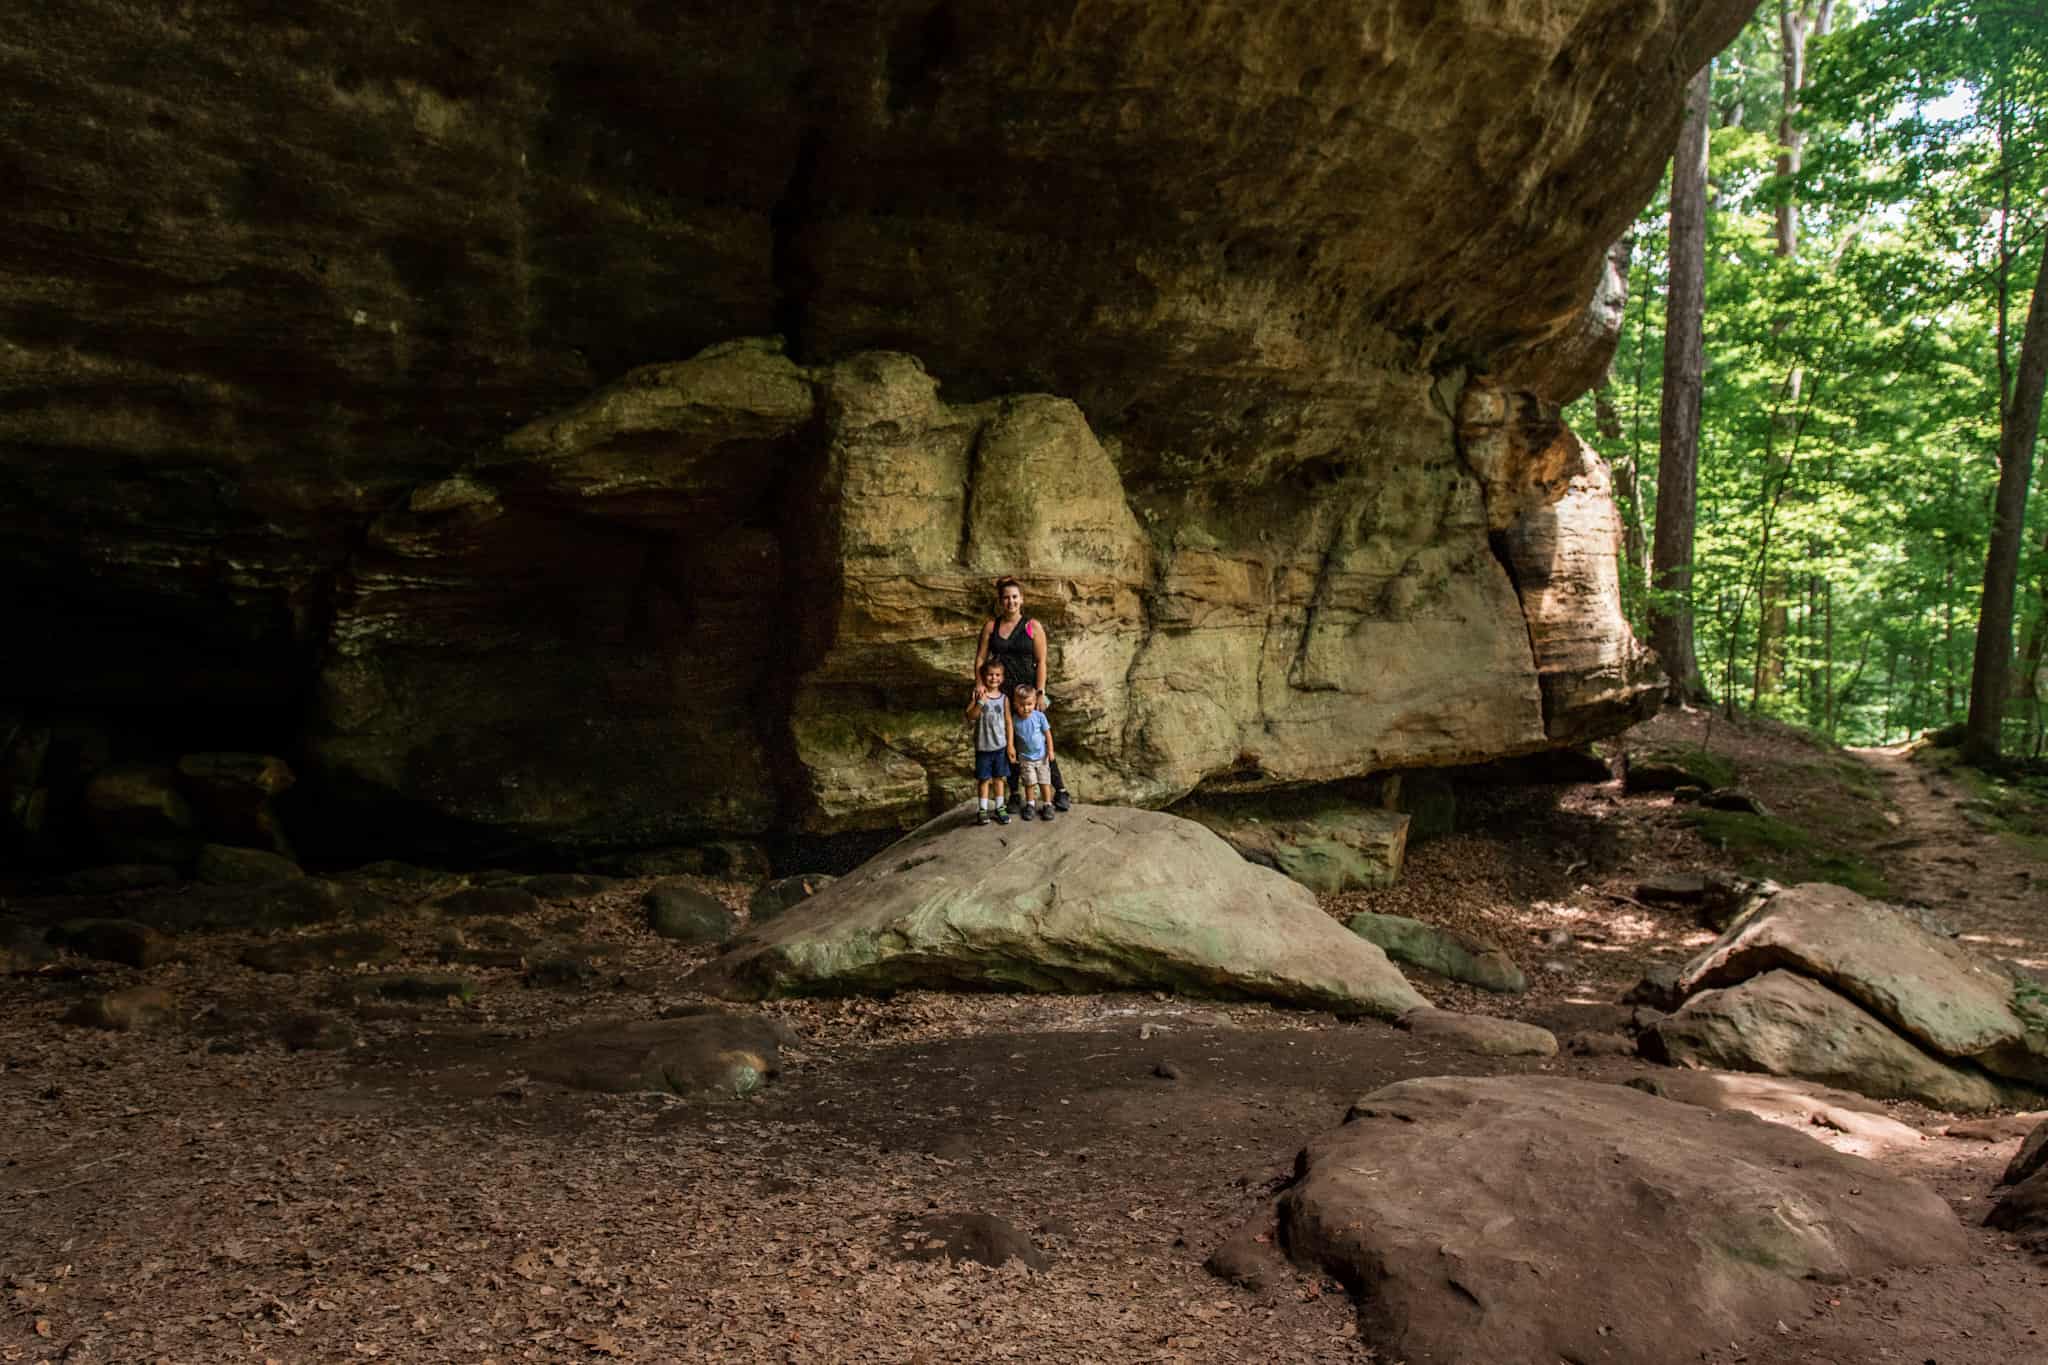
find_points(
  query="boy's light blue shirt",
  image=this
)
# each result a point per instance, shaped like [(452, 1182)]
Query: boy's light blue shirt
[(1031, 733)]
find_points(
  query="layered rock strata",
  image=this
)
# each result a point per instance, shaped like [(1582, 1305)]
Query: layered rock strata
[(1307, 284)]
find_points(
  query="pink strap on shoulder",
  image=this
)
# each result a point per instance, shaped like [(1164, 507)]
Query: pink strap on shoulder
[(1030, 627)]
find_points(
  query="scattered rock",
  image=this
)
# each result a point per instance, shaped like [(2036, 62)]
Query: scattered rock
[(1675, 888), (566, 886), (113, 940), (1247, 1259), (777, 896), (1930, 989), (1167, 1071), (502, 932), (1785, 1024), (1732, 900), (23, 950), (1447, 952), (1659, 989), (222, 865), (1782, 1100), (1460, 1207), (706, 1054), (2031, 1158), (2023, 1211), (737, 859), (562, 970), (676, 910), (345, 948), (1997, 1128), (315, 1032), (1107, 897), (1326, 844), (979, 1237), (1480, 1033), (139, 1007), (1735, 799), (117, 877), (497, 901), (1600, 1045)]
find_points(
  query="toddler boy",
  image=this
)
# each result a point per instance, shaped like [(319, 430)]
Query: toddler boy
[(1032, 730)]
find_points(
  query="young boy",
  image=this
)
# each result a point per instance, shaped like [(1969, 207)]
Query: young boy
[(1032, 729), (995, 746)]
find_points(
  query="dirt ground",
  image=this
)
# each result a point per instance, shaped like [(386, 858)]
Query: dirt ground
[(197, 1194)]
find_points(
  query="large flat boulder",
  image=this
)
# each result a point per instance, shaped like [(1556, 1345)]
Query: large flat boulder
[(1784, 1024), (1933, 990), (1103, 898), (1538, 1219)]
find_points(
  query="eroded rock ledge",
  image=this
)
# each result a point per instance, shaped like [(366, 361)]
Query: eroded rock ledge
[(1307, 280), (737, 589)]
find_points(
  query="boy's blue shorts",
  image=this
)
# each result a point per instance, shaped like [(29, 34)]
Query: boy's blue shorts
[(990, 764)]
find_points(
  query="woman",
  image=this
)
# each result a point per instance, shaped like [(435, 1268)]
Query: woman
[(1018, 645)]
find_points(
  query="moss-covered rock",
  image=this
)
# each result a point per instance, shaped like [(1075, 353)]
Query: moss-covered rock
[(676, 910), (1461, 957), (1104, 898), (113, 940), (223, 865), (1326, 843)]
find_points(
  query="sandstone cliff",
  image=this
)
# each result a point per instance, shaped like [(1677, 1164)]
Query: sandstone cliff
[(1239, 332)]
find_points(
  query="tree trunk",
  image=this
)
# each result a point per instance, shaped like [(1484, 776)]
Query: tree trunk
[(1671, 613), (1991, 671), (1796, 23)]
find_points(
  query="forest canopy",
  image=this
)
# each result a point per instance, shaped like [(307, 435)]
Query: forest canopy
[(1876, 203)]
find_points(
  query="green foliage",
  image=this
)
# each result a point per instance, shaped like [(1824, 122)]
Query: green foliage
[(1851, 409), (1768, 847)]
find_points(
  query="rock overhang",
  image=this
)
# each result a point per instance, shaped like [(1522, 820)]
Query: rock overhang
[(1258, 250)]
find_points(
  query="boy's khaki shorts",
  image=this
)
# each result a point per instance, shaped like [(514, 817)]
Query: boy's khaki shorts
[(1034, 772)]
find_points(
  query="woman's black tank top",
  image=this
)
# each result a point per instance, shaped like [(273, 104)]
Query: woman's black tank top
[(1018, 655)]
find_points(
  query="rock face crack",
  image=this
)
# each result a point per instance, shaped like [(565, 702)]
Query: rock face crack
[(797, 209)]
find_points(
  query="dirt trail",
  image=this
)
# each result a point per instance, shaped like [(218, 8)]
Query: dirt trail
[(1992, 892)]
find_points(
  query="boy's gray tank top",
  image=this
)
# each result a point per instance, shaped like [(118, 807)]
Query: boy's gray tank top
[(992, 732)]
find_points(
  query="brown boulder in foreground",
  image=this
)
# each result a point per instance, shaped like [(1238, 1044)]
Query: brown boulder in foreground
[(1538, 1219)]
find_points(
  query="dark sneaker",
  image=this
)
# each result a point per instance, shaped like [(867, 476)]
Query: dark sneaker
[(1026, 811), (1060, 801), (1002, 816), (981, 816), (1045, 812)]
